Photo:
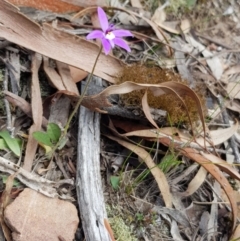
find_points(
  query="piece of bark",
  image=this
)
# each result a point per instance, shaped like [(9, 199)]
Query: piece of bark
[(56, 44), (57, 6), (88, 183)]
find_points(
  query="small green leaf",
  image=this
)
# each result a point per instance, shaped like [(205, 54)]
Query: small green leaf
[(115, 182), (42, 137), (3, 145), (54, 132), (14, 144)]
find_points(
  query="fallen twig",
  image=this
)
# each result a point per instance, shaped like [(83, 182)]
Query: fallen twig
[(31, 180)]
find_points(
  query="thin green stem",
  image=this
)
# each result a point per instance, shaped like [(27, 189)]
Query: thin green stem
[(82, 95), (77, 105)]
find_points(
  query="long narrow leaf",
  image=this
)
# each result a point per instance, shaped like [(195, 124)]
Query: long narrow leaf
[(156, 172)]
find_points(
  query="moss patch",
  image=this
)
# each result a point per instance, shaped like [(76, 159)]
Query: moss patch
[(168, 102), (121, 230)]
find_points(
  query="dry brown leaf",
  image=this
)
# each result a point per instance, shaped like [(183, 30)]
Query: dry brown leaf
[(195, 183), (159, 33), (61, 80), (233, 90), (223, 165), (57, 6), (219, 136), (55, 44), (156, 172), (159, 16), (94, 9), (22, 104), (172, 27), (154, 133), (178, 137), (136, 4), (52, 75), (213, 170), (185, 25), (18, 101), (175, 88), (37, 112), (146, 110), (84, 3), (213, 62), (236, 234), (218, 175), (232, 105), (77, 74), (67, 80), (232, 70)]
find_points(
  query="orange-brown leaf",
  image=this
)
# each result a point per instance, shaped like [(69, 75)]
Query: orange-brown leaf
[(218, 175), (46, 5)]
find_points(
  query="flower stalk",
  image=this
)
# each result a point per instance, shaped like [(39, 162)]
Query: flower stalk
[(82, 95), (109, 38)]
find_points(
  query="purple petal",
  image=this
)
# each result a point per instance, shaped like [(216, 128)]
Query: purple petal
[(121, 43), (106, 45), (111, 43), (95, 34), (103, 19), (122, 33)]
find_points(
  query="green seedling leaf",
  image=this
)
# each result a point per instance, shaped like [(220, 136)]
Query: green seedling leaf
[(139, 216), (43, 138), (14, 144), (54, 132), (115, 182), (3, 145)]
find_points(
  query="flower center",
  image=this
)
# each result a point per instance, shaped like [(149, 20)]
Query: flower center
[(110, 35)]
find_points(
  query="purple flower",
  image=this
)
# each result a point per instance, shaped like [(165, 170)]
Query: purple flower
[(108, 35)]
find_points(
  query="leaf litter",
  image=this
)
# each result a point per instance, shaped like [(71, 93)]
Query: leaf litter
[(199, 205)]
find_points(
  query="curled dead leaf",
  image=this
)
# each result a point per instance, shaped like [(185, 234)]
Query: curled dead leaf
[(100, 101), (155, 170)]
